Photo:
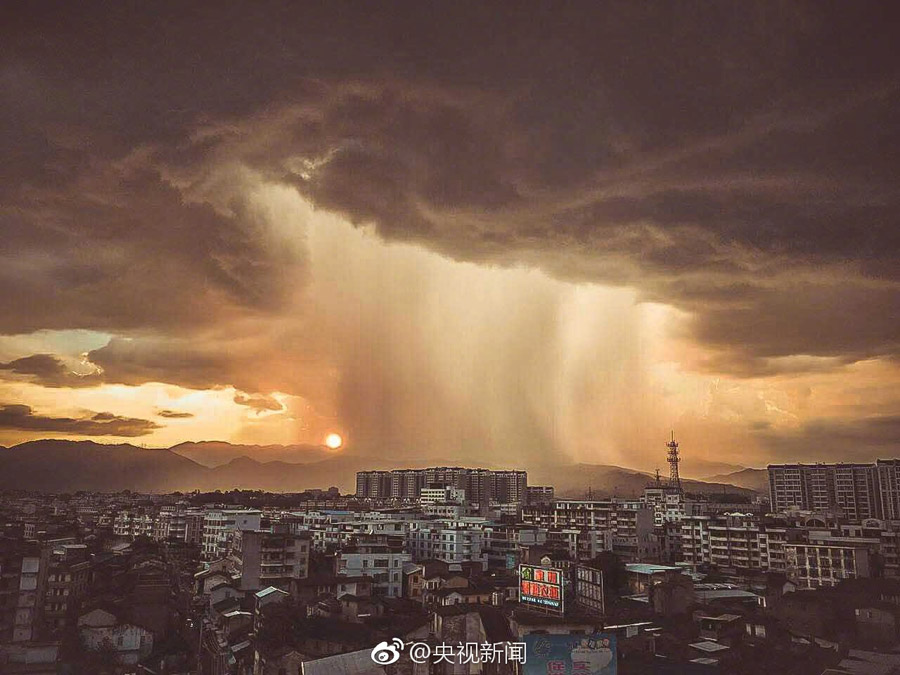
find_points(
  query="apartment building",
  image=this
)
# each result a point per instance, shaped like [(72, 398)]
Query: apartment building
[(630, 523), (481, 486), (888, 474), (669, 504), (444, 494), (262, 558), (581, 544), (509, 487), (406, 484), (577, 513), (24, 569), (814, 565), (333, 529), (134, 524), (374, 485), (449, 543), (378, 562), (695, 545), (502, 543), (733, 540), (633, 536), (219, 526), (186, 526), (68, 575), (539, 494), (855, 489)]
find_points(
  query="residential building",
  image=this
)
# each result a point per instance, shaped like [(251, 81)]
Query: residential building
[(481, 486), (100, 628), (814, 565), (24, 569), (262, 558), (888, 471), (219, 526), (539, 494), (382, 565), (450, 543), (852, 488)]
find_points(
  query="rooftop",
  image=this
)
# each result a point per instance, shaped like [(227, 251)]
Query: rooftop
[(709, 646), (646, 568)]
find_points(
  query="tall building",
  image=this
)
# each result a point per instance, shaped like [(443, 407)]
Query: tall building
[(888, 471), (406, 484), (856, 490), (373, 484), (852, 488), (509, 486), (482, 486)]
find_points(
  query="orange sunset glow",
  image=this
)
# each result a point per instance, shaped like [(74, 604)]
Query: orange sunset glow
[(541, 250)]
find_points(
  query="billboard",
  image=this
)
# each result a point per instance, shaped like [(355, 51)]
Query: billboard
[(570, 654), (589, 589), (541, 587)]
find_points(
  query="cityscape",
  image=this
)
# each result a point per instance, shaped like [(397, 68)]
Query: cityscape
[(418, 337), (801, 577)]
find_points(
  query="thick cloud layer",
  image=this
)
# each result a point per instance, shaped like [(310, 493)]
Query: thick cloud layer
[(22, 417), (734, 162)]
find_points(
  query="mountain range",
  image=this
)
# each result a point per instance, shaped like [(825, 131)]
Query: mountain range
[(752, 479), (217, 453), (68, 466)]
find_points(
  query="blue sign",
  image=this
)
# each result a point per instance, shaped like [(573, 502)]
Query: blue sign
[(570, 654)]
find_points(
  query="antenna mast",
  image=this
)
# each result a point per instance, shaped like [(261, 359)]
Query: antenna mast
[(673, 459)]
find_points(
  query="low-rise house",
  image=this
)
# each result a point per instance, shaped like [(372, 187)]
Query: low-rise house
[(877, 624), (724, 628), (101, 629), (337, 585)]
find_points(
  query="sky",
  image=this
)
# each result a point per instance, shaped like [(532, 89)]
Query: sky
[(519, 231)]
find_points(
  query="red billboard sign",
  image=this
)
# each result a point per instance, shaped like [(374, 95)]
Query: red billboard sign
[(541, 587)]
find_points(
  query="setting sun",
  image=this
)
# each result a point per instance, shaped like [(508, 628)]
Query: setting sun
[(334, 441)]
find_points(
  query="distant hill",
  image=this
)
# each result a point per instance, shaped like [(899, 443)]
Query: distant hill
[(752, 479), (217, 453), (68, 466), (699, 469), (574, 480)]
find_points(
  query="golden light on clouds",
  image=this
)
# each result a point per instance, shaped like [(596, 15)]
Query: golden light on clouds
[(419, 354)]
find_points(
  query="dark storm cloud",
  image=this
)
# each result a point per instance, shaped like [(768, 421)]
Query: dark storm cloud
[(84, 255), (209, 361), (834, 440), (133, 362), (735, 160), (23, 418), (258, 402), (174, 414), (49, 371)]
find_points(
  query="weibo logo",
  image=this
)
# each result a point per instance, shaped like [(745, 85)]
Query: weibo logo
[(384, 653)]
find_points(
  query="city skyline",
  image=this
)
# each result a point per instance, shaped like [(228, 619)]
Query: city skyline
[(536, 234)]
